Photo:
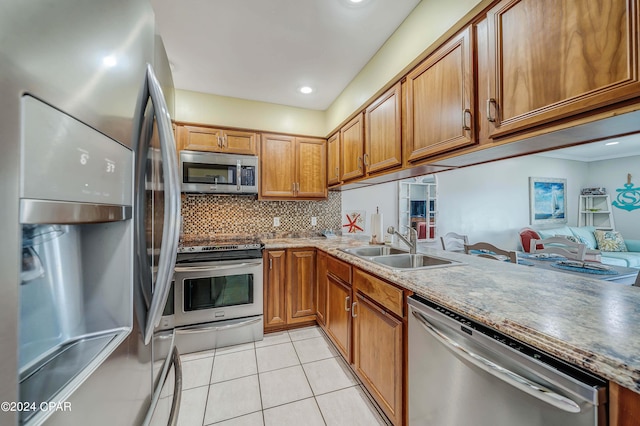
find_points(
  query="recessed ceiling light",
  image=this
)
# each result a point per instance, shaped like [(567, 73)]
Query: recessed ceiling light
[(110, 61), (355, 1), (611, 143), (306, 90)]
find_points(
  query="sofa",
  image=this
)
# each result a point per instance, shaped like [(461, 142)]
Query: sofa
[(586, 235)]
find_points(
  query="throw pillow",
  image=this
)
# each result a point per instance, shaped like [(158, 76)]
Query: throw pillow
[(526, 235), (610, 241), (569, 237), (575, 239), (585, 235)]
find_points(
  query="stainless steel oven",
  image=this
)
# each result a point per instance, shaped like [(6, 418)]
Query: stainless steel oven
[(217, 297)]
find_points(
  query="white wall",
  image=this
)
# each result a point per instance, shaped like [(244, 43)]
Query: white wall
[(383, 196), (489, 202), (612, 174)]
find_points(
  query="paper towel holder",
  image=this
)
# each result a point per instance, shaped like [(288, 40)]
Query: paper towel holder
[(376, 228)]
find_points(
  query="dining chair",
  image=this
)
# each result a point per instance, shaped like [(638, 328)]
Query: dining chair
[(491, 252), (637, 283), (559, 245), (453, 242)]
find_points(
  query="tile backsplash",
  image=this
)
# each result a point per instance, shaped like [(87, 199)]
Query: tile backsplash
[(211, 215)]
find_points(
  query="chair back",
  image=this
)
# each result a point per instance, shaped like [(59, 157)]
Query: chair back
[(491, 251), (559, 245), (453, 242), (637, 283)]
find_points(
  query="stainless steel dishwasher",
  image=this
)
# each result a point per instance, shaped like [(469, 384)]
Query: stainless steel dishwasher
[(464, 373)]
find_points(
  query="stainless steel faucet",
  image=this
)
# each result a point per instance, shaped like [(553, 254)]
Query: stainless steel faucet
[(412, 242)]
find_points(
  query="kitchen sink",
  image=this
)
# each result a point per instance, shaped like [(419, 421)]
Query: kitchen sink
[(373, 251), (413, 261)]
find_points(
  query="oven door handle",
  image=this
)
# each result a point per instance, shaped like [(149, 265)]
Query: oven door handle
[(200, 329), (215, 268)]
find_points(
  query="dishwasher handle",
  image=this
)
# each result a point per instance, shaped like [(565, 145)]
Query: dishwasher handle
[(534, 389)]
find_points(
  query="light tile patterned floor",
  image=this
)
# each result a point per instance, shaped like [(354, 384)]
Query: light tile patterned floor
[(289, 378)]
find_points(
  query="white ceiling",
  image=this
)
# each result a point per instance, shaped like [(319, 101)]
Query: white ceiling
[(265, 50), (627, 146)]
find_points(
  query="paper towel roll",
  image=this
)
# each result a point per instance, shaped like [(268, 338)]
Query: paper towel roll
[(377, 231)]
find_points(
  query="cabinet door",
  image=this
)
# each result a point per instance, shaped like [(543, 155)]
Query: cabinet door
[(351, 160), (199, 138), (551, 59), (311, 168), (277, 166), (239, 142), (333, 159), (383, 136), (338, 322), (439, 100), (275, 311), (301, 265), (321, 287), (377, 355)]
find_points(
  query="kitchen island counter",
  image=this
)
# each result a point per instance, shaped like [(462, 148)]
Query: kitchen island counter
[(585, 321)]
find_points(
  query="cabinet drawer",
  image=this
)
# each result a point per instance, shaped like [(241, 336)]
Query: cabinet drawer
[(385, 294), (339, 269)]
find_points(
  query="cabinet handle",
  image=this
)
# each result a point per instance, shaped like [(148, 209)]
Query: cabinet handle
[(293, 187), (270, 263), (366, 160), (495, 105), (360, 163), (465, 113), (219, 142), (225, 142), (337, 172), (297, 187), (346, 303), (353, 309)]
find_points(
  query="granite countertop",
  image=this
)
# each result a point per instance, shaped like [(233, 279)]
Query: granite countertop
[(588, 322)]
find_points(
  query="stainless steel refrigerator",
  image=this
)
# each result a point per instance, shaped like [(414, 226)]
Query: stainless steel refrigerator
[(89, 214)]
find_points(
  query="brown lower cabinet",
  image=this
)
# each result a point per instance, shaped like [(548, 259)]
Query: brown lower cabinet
[(624, 406), (321, 286), (289, 287), (364, 319)]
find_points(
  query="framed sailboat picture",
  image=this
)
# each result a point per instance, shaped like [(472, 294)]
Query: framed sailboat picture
[(547, 200)]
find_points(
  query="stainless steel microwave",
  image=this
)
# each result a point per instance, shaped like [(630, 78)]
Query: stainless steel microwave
[(216, 173)]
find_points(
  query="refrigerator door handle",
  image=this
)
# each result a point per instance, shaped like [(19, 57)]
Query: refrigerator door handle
[(171, 220), (177, 387), (171, 227)]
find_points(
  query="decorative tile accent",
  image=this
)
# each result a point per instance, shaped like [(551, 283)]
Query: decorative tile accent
[(212, 215)]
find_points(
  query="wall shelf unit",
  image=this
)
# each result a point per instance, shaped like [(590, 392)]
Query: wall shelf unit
[(595, 210)]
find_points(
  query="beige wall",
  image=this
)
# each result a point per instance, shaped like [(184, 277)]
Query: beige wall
[(428, 21), (203, 108)]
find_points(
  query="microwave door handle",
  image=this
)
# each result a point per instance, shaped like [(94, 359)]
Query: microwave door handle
[(171, 226), (238, 174)]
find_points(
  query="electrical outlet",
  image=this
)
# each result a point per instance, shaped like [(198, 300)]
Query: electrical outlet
[(314, 221), (276, 221)]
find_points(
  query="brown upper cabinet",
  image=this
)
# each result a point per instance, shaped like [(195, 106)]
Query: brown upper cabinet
[(196, 138), (552, 59), (352, 148), (292, 167), (440, 100), (383, 131), (333, 159)]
